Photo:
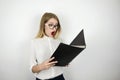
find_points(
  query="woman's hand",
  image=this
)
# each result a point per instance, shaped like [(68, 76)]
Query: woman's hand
[(47, 64), (44, 65)]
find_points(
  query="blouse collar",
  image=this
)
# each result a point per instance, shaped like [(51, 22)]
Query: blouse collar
[(46, 37)]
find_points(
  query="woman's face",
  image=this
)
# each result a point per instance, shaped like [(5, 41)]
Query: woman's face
[(51, 27)]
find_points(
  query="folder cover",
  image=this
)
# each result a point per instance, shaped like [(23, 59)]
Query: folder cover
[(65, 53)]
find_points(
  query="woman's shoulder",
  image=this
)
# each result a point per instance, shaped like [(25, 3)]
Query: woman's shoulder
[(34, 40), (60, 39)]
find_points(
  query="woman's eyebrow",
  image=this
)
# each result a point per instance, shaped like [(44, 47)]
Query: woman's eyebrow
[(52, 23)]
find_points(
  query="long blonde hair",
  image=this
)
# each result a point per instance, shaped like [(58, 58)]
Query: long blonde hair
[(44, 19)]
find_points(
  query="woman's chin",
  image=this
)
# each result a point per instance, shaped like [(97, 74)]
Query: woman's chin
[(50, 35)]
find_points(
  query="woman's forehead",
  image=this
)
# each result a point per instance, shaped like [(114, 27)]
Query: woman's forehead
[(52, 20)]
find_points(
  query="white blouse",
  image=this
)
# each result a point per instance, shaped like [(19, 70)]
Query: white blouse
[(41, 50)]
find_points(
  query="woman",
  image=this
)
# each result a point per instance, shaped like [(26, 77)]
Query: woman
[(43, 47)]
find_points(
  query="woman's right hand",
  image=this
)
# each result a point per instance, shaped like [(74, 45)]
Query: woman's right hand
[(47, 64), (44, 65)]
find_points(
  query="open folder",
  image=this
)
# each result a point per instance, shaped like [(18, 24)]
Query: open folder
[(65, 53)]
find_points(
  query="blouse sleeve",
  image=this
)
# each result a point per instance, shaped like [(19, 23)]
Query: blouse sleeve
[(32, 55)]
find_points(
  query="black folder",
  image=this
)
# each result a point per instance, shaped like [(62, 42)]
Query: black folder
[(65, 53)]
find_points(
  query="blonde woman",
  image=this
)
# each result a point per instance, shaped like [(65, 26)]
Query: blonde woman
[(43, 47)]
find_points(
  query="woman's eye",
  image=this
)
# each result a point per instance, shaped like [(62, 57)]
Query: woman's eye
[(55, 26), (50, 25)]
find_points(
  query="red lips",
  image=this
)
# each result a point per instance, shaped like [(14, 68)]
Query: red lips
[(53, 33)]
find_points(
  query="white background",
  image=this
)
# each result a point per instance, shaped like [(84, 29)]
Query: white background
[(100, 19)]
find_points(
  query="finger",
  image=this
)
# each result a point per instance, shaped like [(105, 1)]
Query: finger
[(52, 65), (51, 59), (53, 62)]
